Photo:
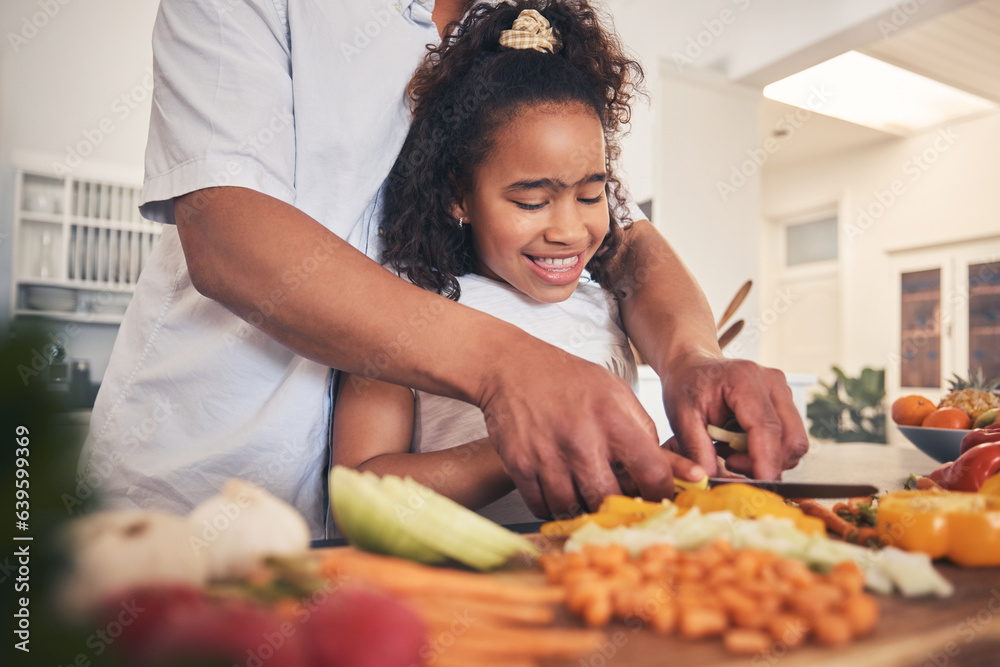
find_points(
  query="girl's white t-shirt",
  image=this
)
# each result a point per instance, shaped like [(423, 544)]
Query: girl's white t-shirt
[(588, 325)]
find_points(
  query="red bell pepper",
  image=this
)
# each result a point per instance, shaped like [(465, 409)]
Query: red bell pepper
[(971, 469), (978, 436)]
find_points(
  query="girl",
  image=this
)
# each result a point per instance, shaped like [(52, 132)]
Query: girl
[(504, 198)]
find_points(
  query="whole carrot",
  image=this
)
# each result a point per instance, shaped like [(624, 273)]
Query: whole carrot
[(846, 530)]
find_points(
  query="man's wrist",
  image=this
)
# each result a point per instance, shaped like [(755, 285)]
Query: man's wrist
[(685, 356), (490, 369)]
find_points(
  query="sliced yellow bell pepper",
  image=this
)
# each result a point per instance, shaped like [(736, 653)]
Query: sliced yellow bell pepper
[(684, 485), (635, 507), (748, 502), (614, 511), (963, 527), (991, 486)]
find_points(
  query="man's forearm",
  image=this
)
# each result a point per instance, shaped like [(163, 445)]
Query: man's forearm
[(286, 274), (666, 313)]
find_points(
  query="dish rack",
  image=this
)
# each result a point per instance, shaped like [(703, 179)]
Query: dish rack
[(80, 246)]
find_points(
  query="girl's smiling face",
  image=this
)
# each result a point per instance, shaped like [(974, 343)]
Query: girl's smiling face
[(538, 210)]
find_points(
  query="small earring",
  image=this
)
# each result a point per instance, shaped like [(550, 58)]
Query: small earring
[(461, 221)]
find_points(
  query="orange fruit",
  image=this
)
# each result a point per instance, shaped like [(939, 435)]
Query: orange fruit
[(948, 418), (911, 410)]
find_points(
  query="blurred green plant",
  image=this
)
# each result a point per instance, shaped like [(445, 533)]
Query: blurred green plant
[(851, 410), (39, 445)]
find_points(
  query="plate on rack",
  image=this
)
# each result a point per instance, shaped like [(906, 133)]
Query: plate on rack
[(110, 303), (44, 297)]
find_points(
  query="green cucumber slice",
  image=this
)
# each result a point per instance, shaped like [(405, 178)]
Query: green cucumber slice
[(437, 531), (367, 519), (400, 517), (475, 526)]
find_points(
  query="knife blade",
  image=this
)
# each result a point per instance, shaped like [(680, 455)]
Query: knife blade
[(802, 489)]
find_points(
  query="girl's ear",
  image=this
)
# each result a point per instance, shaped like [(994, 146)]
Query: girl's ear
[(458, 209)]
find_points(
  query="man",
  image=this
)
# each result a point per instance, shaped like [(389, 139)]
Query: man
[(274, 125)]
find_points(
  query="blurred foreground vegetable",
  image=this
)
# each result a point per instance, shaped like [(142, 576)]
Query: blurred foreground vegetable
[(970, 470), (748, 502), (398, 517), (963, 527), (979, 436), (750, 598)]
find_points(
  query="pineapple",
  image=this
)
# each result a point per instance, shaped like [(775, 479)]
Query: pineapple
[(975, 395)]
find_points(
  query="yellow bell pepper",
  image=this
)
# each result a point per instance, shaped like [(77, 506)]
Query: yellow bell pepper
[(991, 486), (614, 511), (632, 507), (748, 502), (961, 526)]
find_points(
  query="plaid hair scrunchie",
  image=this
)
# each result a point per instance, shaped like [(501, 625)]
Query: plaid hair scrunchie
[(531, 30)]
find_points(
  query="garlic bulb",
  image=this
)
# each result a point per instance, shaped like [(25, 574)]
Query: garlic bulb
[(112, 551), (241, 526)]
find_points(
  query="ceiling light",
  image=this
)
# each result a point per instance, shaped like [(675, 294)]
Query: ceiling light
[(871, 92)]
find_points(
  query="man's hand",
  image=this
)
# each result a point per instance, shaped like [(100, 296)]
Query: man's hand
[(707, 389), (570, 433), (669, 321)]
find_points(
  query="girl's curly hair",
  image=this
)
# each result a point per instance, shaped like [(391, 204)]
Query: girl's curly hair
[(466, 89)]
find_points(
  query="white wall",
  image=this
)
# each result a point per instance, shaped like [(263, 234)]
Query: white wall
[(75, 77), (708, 187), (927, 190), (753, 42), (685, 141)]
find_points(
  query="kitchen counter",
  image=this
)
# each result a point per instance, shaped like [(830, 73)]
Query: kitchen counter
[(885, 466), (958, 631)]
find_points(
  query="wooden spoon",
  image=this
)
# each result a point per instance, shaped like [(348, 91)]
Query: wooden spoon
[(734, 304), (729, 334)]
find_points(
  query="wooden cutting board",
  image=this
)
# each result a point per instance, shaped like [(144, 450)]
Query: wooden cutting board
[(959, 631)]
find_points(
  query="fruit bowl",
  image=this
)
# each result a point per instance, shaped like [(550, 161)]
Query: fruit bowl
[(938, 443)]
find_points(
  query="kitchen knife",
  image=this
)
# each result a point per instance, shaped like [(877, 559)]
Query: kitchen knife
[(802, 489)]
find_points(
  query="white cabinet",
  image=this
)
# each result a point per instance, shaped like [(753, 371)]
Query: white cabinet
[(79, 247)]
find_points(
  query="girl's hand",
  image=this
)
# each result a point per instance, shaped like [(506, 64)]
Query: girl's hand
[(706, 389)]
